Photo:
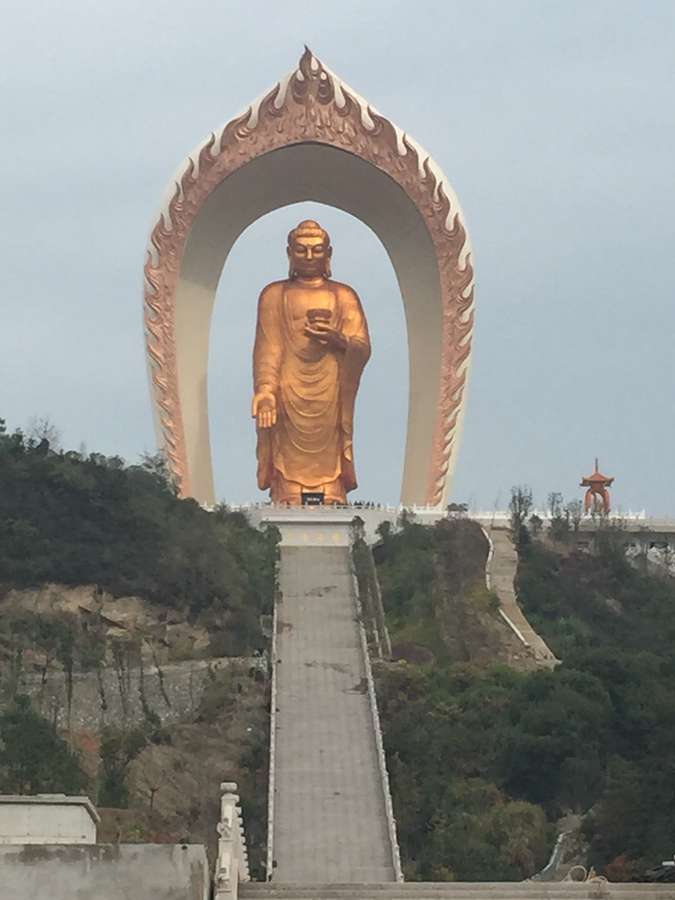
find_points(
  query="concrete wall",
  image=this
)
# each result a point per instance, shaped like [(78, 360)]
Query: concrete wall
[(47, 819), (331, 518), (104, 872), (111, 696)]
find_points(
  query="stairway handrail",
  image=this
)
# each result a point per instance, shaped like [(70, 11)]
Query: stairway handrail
[(269, 864), (377, 730)]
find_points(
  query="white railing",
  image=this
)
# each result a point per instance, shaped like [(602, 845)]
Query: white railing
[(271, 787), (373, 514), (232, 861), (385, 639), (320, 509), (547, 873), (503, 516), (497, 515), (488, 561), (377, 730)]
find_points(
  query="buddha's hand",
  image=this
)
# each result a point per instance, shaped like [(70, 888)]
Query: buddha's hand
[(264, 409), (327, 335)]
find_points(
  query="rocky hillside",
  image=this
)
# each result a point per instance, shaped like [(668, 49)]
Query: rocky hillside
[(124, 611)]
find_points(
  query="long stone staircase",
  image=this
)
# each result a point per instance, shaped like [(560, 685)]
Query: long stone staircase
[(331, 817)]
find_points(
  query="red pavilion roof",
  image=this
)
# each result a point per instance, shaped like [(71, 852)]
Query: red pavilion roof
[(596, 478)]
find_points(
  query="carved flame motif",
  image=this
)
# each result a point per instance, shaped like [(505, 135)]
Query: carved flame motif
[(310, 108)]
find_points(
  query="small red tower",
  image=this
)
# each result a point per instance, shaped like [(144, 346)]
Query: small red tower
[(597, 495)]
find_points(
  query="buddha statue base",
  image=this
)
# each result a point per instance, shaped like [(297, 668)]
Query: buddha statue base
[(289, 493)]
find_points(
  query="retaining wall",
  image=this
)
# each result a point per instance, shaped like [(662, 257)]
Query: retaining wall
[(126, 696)]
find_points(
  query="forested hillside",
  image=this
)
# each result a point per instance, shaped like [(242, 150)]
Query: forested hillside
[(79, 534), (616, 625), (73, 519), (485, 760)]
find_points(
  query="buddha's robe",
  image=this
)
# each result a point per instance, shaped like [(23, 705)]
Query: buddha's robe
[(315, 385)]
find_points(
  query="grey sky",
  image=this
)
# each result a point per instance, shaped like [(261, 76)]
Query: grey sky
[(555, 123)]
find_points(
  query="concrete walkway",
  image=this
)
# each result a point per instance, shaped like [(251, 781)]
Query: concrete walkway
[(501, 571), (330, 823)]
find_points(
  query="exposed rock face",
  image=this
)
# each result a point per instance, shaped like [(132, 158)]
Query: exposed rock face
[(174, 785), (125, 696), (161, 633), (90, 663)]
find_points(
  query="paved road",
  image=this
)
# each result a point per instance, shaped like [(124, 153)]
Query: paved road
[(330, 823)]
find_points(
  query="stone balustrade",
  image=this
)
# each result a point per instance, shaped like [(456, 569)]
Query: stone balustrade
[(232, 861)]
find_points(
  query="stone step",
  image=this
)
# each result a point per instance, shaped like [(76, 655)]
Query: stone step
[(469, 886), (367, 894), (458, 891)]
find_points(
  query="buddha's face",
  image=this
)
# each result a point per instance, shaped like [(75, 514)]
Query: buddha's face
[(309, 255)]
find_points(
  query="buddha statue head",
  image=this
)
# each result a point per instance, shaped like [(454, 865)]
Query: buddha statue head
[(309, 251)]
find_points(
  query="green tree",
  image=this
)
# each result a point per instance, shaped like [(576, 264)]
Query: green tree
[(520, 506), (33, 758), (119, 747)]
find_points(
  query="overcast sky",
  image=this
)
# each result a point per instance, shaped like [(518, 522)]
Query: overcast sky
[(555, 123)]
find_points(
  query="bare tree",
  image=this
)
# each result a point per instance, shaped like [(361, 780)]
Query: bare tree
[(644, 542), (554, 501), (575, 511), (519, 507), (357, 529), (535, 524), (42, 428), (152, 790)]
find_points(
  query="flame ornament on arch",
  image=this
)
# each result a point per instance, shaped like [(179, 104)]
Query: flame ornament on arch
[(312, 105)]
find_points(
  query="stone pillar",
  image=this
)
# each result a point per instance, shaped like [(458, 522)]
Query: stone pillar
[(232, 862)]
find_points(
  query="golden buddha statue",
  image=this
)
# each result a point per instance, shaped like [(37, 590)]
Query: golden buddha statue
[(311, 345)]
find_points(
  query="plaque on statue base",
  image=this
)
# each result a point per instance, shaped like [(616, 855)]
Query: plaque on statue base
[(312, 498)]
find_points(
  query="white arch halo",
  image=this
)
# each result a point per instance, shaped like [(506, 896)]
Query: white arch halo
[(312, 139)]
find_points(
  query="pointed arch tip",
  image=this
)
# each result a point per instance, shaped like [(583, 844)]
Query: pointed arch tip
[(306, 59), (307, 52)]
